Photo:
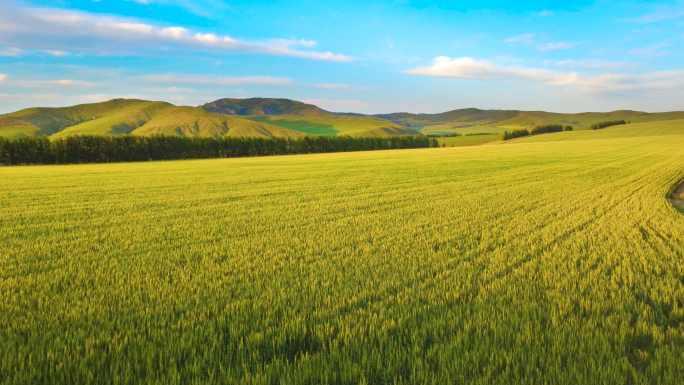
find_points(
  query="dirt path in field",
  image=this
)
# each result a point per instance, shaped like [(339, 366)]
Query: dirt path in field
[(677, 196)]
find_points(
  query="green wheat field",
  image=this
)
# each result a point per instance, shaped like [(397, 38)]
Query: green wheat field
[(554, 259)]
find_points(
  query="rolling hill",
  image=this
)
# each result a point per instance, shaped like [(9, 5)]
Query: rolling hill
[(264, 106), (585, 119), (307, 118), (466, 116), (136, 117), (473, 120), (264, 117)]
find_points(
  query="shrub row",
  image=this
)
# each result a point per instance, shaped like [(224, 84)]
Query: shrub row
[(129, 148), (600, 125), (508, 135), (452, 135), (546, 129)]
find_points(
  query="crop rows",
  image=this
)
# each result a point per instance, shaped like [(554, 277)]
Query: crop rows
[(556, 262)]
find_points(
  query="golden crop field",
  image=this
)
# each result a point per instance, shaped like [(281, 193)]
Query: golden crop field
[(554, 262)]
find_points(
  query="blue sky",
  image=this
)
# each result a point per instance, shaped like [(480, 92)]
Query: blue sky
[(360, 56)]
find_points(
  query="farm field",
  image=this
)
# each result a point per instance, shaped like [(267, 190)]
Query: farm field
[(474, 140), (550, 259)]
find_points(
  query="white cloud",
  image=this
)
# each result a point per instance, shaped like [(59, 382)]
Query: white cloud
[(360, 106), (177, 33), (82, 70), (468, 68), (10, 52), (2, 77), (57, 53), (660, 16), (295, 43), (527, 38), (554, 46), (217, 80), (594, 64), (338, 104), (31, 97), (62, 30), (651, 51), (204, 8), (663, 84), (50, 83), (182, 90), (546, 13), (332, 86)]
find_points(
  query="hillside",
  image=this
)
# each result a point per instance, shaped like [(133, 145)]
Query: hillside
[(307, 118), (337, 125), (264, 106), (467, 116), (472, 120), (136, 117), (263, 117), (634, 130), (585, 119)]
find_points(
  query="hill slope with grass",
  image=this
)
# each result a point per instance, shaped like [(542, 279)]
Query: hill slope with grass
[(527, 119), (475, 121), (466, 116), (634, 130), (264, 106), (307, 118), (470, 117), (135, 117), (337, 125)]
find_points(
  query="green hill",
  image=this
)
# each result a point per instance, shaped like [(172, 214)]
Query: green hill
[(307, 118), (337, 125), (131, 116), (473, 120), (467, 116), (585, 119), (646, 129), (263, 117), (264, 106), (476, 121)]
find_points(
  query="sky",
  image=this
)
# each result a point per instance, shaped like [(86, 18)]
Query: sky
[(346, 56)]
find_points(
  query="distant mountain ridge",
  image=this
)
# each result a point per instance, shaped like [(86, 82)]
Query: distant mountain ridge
[(133, 116), (264, 106), (307, 118), (272, 117), (466, 115)]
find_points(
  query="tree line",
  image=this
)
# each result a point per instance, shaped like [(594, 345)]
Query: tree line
[(546, 129), (451, 135), (600, 125), (130, 148), (508, 135)]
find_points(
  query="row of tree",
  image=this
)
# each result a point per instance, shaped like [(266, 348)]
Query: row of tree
[(508, 135), (600, 125), (451, 135), (129, 148), (547, 129)]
